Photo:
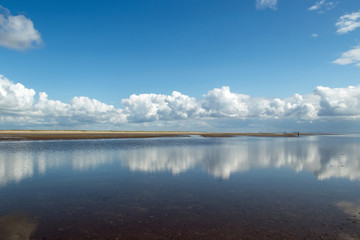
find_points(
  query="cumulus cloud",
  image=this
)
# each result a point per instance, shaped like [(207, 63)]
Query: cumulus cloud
[(348, 22), (84, 109), (46, 107), (349, 57), (14, 97), (217, 103), (223, 103), (322, 5), (152, 107), (20, 106), (339, 101), (263, 4), (17, 32)]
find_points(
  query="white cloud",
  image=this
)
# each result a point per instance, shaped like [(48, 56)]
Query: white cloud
[(46, 107), (348, 57), (348, 22), (152, 107), (14, 97), (339, 101), (84, 109), (19, 106), (87, 106), (17, 32), (322, 5), (314, 35), (317, 5), (79, 110), (217, 103), (262, 4), (223, 103)]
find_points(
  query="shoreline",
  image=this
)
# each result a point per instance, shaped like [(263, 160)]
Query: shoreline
[(18, 135)]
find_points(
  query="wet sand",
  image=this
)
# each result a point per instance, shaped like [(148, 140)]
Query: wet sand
[(6, 135)]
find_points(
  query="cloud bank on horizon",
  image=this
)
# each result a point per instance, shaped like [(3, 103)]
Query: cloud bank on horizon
[(22, 106)]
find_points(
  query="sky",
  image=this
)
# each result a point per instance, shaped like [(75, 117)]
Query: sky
[(245, 65)]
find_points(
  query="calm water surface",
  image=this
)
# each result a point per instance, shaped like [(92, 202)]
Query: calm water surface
[(181, 188)]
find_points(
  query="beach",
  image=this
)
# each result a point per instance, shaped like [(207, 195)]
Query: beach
[(6, 135)]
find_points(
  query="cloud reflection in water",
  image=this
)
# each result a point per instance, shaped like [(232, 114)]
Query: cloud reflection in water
[(16, 227), (219, 157)]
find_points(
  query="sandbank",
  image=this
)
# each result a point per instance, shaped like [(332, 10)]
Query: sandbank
[(6, 135)]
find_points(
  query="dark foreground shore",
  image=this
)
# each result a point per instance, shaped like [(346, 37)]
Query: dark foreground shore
[(7, 135)]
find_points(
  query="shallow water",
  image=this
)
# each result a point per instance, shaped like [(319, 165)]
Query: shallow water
[(181, 188)]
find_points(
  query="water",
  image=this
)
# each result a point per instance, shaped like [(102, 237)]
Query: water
[(181, 188)]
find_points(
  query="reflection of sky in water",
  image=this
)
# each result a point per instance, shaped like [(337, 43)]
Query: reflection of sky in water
[(16, 227), (160, 188), (325, 156)]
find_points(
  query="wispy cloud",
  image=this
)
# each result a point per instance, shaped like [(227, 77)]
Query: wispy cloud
[(19, 105), (349, 57), (348, 22), (263, 4), (322, 6), (314, 35), (17, 32), (317, 5)]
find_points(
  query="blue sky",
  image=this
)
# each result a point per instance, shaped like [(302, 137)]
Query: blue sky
[(259, 65)]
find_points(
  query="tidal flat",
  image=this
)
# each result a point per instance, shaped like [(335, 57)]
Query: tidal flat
[(191, 187), (76, 134)]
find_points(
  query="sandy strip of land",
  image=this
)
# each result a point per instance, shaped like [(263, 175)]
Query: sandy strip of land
[(76, 134)]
